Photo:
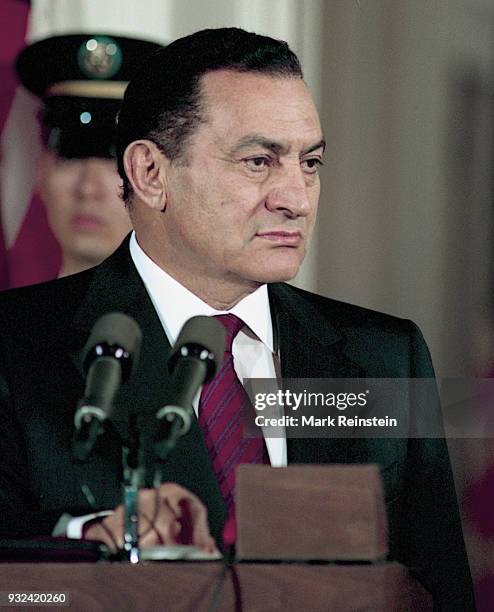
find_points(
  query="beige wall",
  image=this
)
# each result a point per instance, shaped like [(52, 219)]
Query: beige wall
[(400, 230)]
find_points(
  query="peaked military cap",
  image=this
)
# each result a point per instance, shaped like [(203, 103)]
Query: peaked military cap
[(81, 79)]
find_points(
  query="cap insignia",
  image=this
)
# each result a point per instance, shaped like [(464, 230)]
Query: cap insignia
[(99, 57)]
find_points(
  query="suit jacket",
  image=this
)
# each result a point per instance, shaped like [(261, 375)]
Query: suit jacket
[(43, 330)]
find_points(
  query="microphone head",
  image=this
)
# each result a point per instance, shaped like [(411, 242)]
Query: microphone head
[(201, 333), (117, 335)]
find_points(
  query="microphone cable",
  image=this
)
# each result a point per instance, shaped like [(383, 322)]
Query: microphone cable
[(228, 568)]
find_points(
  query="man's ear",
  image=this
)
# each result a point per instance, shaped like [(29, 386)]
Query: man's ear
[(144, 166)]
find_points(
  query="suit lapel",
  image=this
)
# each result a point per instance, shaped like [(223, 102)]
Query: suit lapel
[(117, 286), (310, 347)]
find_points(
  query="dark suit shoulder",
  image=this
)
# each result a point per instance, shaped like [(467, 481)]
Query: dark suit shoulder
[(57, 301), (35, 321), (44, 300), (344, 315), (382, 344)]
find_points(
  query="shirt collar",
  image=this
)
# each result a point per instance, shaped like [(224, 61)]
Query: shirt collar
[(175, 304)]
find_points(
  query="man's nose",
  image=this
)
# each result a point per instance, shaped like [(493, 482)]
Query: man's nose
[(90, 183), (289, 194)]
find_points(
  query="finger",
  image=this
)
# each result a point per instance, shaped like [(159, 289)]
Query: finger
[(173, 506), (147, 524), (158, 537), (113, 527), (149, 501), (166, 527), (176, 496), (172, 494), (98, 533), (150, 538), (200, 526), (185, 504)]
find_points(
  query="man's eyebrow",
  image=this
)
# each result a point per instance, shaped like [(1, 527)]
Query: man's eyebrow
[(319, 145), (254, 140)]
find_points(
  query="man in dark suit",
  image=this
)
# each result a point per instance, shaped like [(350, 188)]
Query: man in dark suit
[(219, 148)]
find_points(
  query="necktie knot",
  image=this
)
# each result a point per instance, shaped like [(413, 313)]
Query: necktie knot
[(232, 325)]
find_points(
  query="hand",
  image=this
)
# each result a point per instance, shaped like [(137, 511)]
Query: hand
[(163, 514)]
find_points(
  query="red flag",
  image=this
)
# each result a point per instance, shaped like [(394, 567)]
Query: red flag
[(28, 250)]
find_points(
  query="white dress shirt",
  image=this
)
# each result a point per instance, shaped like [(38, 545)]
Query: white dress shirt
[(253, 348)]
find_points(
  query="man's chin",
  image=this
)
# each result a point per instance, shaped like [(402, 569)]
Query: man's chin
[(276, 274)]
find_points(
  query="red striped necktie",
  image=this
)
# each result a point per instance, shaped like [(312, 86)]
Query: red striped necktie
[(223, 406)]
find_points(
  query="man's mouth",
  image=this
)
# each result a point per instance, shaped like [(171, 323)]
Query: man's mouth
[(84, 222), (282, 237)]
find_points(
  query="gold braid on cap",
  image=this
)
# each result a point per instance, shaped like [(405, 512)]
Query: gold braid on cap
[(88, 89)]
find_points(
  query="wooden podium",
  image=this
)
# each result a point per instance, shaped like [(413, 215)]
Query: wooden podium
[(291, 521), (189, 587)]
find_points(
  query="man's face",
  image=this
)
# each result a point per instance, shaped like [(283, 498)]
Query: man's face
[(84, 209), (243, 207)]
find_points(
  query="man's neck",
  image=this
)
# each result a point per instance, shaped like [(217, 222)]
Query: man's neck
[(219, 293)]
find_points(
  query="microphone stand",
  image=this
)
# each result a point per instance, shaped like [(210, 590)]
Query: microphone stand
[(132, 482)]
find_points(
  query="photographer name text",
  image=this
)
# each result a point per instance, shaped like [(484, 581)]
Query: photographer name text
[(328, 421)]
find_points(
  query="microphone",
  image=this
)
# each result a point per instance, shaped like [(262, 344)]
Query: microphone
[(110, 356), (195, 358)]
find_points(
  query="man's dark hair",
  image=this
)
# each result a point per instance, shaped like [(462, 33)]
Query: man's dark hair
[(163, 103)]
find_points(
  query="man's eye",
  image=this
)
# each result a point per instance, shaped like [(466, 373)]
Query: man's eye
[(257, 164), (311, 165)]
